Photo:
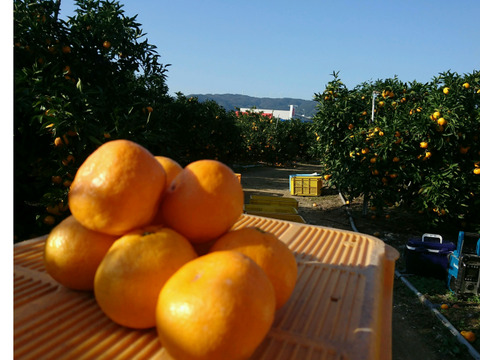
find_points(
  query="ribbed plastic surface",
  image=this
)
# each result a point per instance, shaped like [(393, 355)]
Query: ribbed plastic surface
[(280, 216), (340, 309)]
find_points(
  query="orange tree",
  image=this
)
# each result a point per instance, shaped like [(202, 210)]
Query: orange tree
[(194, 130), (450, 183), (412, 145), (78, 83), (266, 138)]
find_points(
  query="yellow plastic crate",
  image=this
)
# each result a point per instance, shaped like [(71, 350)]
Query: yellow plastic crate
[(341, 307), (273, 200), (281, 209), (306, 185)]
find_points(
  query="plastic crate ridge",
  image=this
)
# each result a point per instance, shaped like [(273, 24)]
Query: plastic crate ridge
[(341, 306)]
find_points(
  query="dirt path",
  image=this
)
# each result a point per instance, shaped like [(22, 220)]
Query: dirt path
[(415, 331), (275, 181)]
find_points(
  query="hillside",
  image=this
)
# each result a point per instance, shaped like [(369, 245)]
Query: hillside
[(233, 101)]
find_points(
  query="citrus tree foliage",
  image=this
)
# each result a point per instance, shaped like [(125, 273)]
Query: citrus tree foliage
[(405, 144), (94, 77), (78, 83), (265, 138), (199, 130)]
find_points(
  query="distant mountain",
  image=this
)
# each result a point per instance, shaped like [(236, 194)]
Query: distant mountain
[(232, 101)]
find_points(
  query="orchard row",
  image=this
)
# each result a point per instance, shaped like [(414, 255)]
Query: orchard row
[(93, 78)]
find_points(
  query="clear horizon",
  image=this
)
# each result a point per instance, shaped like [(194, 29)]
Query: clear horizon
[(279, 49)]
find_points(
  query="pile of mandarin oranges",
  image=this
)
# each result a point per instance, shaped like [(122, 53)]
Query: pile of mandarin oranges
[(155, 242)]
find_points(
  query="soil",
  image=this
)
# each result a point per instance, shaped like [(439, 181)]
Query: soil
[(416, 333)]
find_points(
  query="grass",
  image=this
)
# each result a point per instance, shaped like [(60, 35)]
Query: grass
[(462, 312)]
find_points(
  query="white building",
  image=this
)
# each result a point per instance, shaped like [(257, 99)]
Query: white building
[(279, 114)]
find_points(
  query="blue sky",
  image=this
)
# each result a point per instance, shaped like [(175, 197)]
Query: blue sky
[(283, 48)]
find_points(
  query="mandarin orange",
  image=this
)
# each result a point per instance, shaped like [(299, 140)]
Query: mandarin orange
[(203, 202), (72, 253), (133, 271), (270, 253), (171, 167), (117, 188), (218, 306)]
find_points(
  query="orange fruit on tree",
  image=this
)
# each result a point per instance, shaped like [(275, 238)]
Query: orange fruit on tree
[(49, 220), (58, 142), (72, 253), (442, 121), (56, 179), (132, 273), (70, 159), (53, 210), (270, 253), (203, 202), (218, 306), (117, 188)]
